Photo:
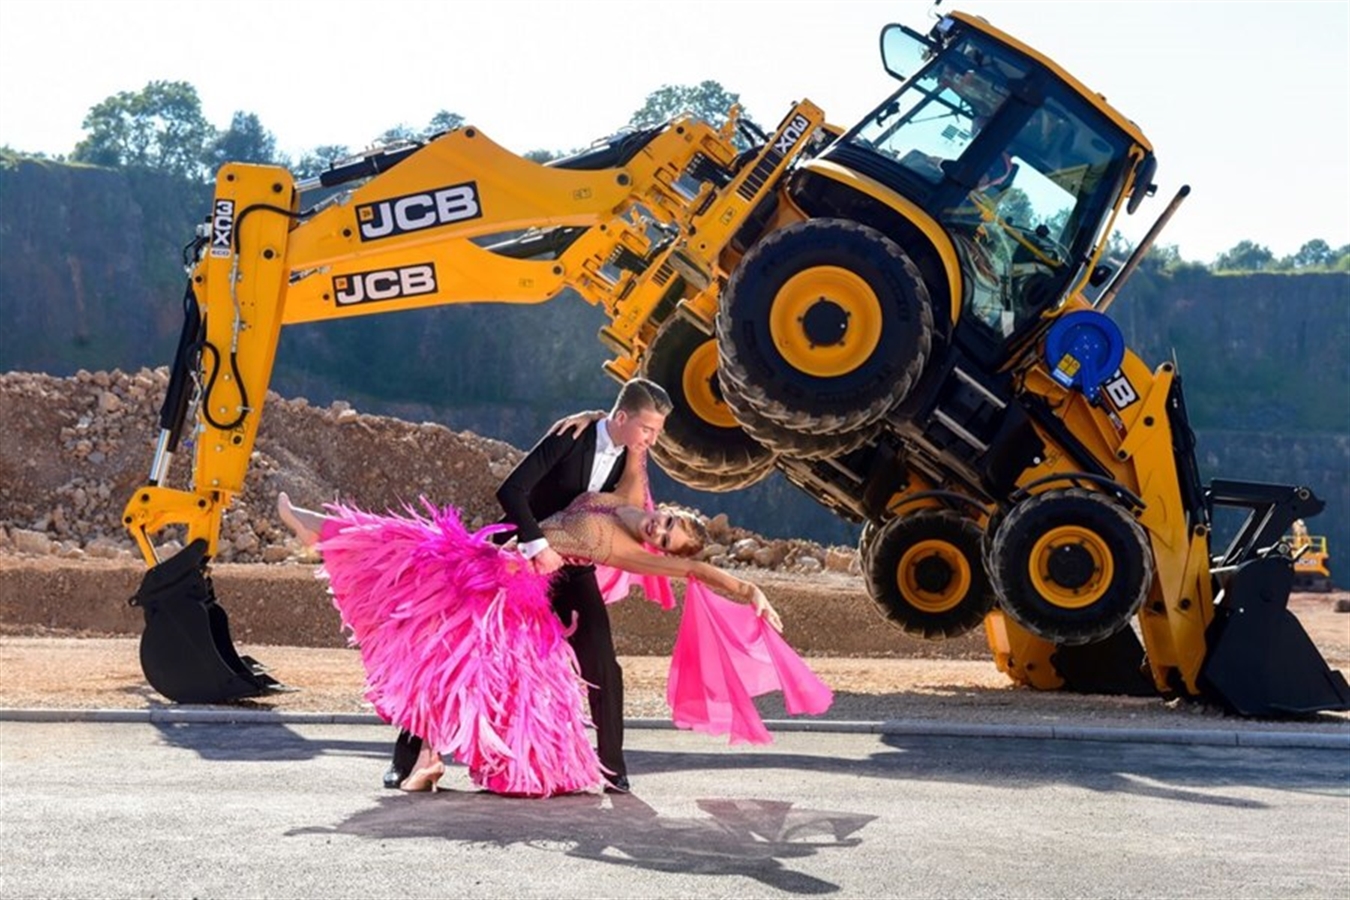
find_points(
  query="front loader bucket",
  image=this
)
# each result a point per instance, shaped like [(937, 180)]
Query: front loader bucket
[(186, 651), (1260, 660)]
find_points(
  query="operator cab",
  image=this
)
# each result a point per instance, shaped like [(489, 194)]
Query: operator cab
[(1014, 163)]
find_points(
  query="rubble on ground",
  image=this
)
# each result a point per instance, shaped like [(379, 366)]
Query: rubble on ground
[(72, 451)]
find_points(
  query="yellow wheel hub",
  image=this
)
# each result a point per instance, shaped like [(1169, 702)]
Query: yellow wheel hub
[(933, 576), (699, 384), (1071, 567), (826, 321)]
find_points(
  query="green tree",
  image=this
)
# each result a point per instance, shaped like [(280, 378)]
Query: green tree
[(161, 127), (707, 100), (443, 121), (398, 134), (1119, 247), (1316, 252), (1340, 259), (1245, 256), (312, 162), (1014, 207), (1162, 257), (246, 140)]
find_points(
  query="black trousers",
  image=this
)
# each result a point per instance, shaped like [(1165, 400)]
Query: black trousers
[(575, 595)]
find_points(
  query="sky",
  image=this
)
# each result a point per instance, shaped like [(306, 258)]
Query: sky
[(1246, 102)]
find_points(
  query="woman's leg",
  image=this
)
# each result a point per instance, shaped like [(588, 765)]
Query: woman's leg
[(306, 524)]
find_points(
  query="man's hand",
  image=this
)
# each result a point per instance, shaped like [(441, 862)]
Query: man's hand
[(576, 422), (546, 561)]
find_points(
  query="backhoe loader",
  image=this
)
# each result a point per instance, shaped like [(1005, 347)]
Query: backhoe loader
[(1312, 560), (907, 318)]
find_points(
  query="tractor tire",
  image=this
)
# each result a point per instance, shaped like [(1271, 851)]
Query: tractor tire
[(1071, 566), (926, 576), (802, 445), (824, 327), (701, 434), (706, 480), (866, 539)]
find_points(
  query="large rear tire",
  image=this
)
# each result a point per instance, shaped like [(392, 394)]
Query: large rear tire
[(702, 440), (926, 575), (786, 442), (825, 326), (1071, 566), (706, 480), (866, 539)]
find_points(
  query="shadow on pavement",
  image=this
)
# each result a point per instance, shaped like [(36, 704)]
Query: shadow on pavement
[(746, 837), (1180, 773), (265, 743)]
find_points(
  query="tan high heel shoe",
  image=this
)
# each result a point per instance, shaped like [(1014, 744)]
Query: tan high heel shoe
[(306, 524), (426, 778)]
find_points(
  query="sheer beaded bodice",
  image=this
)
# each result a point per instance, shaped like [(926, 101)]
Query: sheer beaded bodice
[(586, 528)]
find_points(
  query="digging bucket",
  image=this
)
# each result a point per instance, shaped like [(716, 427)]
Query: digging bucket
[(186, 651)]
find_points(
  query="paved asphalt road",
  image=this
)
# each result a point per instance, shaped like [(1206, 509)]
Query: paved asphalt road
[(184, 809)]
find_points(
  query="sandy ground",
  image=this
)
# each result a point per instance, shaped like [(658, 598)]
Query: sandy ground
[(63, 648)]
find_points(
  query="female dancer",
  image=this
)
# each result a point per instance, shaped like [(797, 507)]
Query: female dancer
[(461, 646)]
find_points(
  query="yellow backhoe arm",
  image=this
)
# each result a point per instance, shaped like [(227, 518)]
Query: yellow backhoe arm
[(442, 227)]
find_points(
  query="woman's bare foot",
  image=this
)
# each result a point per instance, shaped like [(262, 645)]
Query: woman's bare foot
[(306, 524)]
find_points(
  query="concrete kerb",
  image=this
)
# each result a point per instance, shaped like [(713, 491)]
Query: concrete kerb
[(1318, 740)]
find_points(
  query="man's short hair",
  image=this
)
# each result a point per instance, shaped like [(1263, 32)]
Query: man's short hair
[(638, 394)]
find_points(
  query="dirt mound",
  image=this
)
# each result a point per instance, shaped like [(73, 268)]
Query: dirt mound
[(73, 450)]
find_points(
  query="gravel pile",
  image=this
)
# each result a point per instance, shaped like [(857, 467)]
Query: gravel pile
[(73, 450)]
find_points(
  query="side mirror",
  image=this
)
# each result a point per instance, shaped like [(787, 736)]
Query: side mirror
[(1100, 275), (1143, 183), (903, 52)]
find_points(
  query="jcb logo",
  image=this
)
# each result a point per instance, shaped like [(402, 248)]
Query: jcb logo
[(414, 212), (222, 228), (792, 134), (385, 284), (1121, 392)]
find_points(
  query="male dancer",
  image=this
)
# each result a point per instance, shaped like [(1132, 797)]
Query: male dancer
[(560, 468)]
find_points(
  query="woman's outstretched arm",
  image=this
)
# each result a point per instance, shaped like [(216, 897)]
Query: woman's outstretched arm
[(640, 562)]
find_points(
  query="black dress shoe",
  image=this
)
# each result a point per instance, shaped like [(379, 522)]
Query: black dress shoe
[(393, 777), (617, 785)]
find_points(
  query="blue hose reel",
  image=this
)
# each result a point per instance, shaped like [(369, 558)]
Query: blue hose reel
[(1084, 349)]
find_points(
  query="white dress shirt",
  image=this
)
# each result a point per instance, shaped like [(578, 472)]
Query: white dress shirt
[(606, 455)]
